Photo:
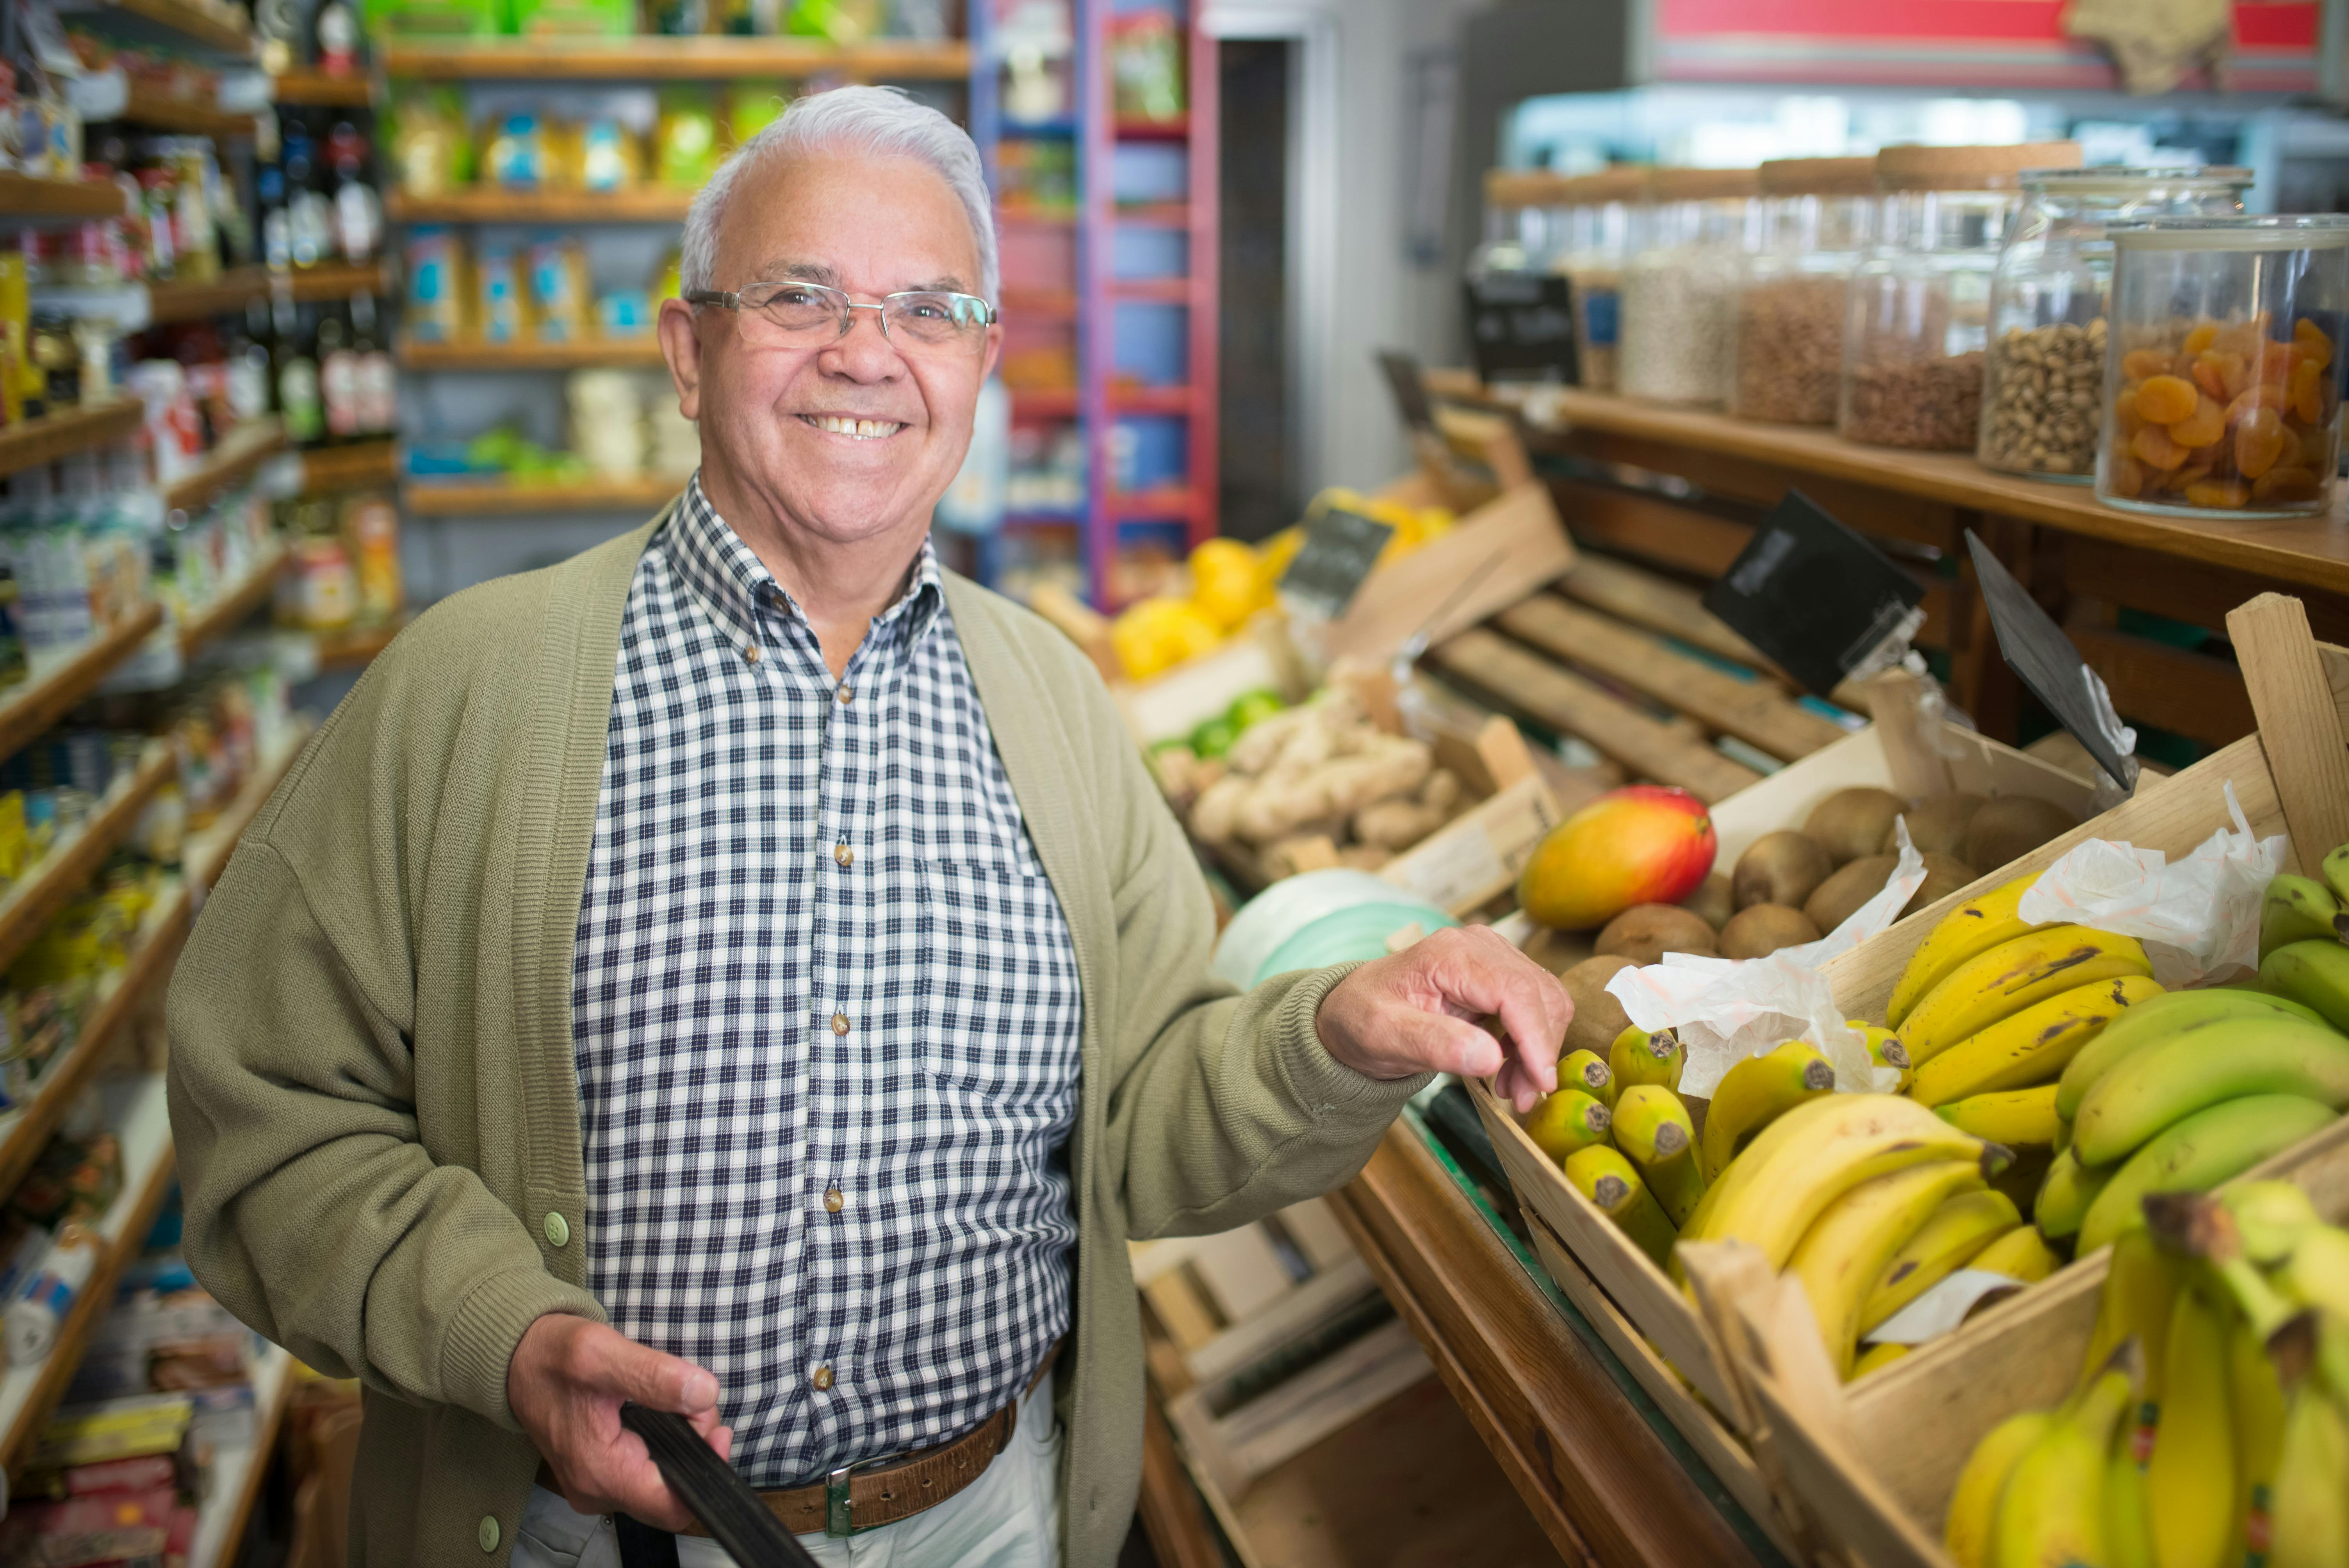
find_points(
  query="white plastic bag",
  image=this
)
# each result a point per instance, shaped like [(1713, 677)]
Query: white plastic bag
[(2197, 918)]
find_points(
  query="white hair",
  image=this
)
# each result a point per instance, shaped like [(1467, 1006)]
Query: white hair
[(874, 121)]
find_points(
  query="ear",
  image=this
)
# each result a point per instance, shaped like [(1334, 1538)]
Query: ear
[(994, 352), (681, 341)]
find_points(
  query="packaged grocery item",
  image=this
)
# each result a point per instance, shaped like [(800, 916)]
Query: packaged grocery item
[(501, 305), (559, 288), (1679, 293), (431, 152), (607, 421), (624, 313), (1605, 221), (436, 285), (326, 587), (1818, 215), (575, 19), (2223, 383), (515, 155), (685, 136), (371, 534), (440, 19), (1145, 60), (610, 157)]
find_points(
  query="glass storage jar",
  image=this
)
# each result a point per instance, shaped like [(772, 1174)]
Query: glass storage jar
[(1609, 211), (1919, 302), (1679, 292), (1818, 215), (1515, 203), (2223, 383), (2043, 384)]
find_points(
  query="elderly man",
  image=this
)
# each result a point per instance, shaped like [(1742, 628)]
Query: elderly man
[(747, 970)]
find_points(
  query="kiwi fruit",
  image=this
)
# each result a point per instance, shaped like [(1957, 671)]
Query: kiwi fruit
[(1944, 874), (1598, 1017), (1646, 932), (1937, 824), (1851, 824), (1714, 902), (1849, 888), (1784, 867), (2010, 827), (1763, 928)]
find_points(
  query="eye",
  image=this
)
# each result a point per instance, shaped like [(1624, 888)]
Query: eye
[(797, 297), (929, 307)]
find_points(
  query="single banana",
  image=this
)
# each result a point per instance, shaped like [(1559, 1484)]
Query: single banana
[(2158, 1017), (2171, 1079), (2190, 1479), (1876, 1356), (1962, 1227), (1588, 1071), (2018, 1117), (1847, 1249), (1638, 1057), (2128, 1521), (2272, 1218), (2140, 1291), (2334, 870), (1884, 1050), (2032, 1046), (1568, 1122), (1757, 1091), (1815, 1154), (2317, 1272), (1602, 1175), (2255, 1395), (1974, 927), (2019, 1255), (2296, 909), (2065, 1195), (2051, 1510), (2196, 1153), (2315, 973), (1652, 1127), (1974, 1501), (2012, 977), (2309, 1513)]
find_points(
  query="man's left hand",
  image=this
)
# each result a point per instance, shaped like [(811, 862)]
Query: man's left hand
[(1408, 1013)]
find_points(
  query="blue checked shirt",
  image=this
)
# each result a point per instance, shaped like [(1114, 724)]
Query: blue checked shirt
[(825, 1010)]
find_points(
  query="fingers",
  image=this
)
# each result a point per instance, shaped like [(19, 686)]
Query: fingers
[(1479, 971), (658, 1382), (1430, 1042)]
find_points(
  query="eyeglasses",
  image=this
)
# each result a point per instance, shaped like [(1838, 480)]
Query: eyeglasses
[(926, 321)]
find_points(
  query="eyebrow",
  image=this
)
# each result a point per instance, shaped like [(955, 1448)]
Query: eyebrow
[(819, 272)]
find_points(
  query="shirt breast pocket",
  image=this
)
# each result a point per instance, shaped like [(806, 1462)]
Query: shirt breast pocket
[(1000, 1006)]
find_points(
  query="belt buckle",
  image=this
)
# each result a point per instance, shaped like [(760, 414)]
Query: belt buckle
[(836, 1507)]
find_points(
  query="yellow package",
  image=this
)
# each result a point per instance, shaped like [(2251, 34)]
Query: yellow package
[(559, 293), (16, 839), (18, 374), (501, 303)]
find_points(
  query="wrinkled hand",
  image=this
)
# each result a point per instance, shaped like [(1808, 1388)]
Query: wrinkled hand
[(1408, 1013), (566, 1382)]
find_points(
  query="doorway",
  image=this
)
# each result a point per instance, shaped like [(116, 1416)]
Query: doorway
[(1257, 435)]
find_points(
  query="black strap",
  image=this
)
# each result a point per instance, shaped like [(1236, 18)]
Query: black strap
[(721, 1498), (642, 1546)]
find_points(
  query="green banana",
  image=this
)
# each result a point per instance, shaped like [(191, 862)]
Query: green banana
[(2334, 870), (2189, 1480), (2171, 1079), (2317, 1272), (2128, 1521), (1588, 1071), (2315, 973), (2066, 1196), (1757, 1090), (2050, 1512), (2141, 1283), (2196, 1153), (2272, 1219), (1652, 1127), (1602, 1174), (2296, 909), (1974, 1501), (2308, 1512), (1566, 1123), (1636, 1057), (2256, 1394), (2157, 1018)]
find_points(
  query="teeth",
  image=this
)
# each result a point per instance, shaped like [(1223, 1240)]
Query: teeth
[(861, 429)]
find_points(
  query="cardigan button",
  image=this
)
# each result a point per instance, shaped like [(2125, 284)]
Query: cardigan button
[(488, 1535), (558, 1230)]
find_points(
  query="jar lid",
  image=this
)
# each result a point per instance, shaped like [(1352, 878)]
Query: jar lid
[(2115, 180), (1818, 177), (1704, 184), (1913, 167), (1622, 182), (1522, 187), (2260, 232)]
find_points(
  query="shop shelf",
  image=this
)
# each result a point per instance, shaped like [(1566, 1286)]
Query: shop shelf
[(207, 22), (1153, 130), (362, 465), (52, 436), (33, 705), (229, 609), (357, 645), (648, 204), (52, 881), (189, 117), (239, 1468), (23, 196), (241, 451), (636, 353), (473, 498), (205, 854), (141, 1119), (676, 59), (234, 289), (316, 89)]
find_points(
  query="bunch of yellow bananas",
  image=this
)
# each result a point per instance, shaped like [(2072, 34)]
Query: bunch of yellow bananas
[(2212, 1423)]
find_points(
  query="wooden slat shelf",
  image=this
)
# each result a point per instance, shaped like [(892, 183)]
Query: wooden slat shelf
[(228, 610), (363, 465), (23, 196), (316, 89), (205, 854), (631, 352), (473, 497), (32, 707), (648, 204), (241, 451), (216, 27), (360, 645), (234, 289), (190, 116), (52, 436), (676, 59), (60, 875), (2312, 551)]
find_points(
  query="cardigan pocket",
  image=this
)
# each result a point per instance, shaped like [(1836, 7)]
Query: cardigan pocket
[(1000, 1008)]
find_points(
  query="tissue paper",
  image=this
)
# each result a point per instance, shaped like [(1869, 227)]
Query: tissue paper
[(1726, 1009), (2197, 918)]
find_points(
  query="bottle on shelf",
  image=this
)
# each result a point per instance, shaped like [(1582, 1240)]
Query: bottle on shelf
[(359, 210), (335, 39), (310, 213), (338, 377), (378, 387), (298, 402), (276, 221)]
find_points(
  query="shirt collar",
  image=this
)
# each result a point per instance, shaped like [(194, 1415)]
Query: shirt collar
[(730, 580)]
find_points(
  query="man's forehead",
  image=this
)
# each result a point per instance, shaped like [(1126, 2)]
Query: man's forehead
[(807, 270)]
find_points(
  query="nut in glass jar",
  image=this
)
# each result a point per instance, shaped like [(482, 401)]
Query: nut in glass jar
[(2042, 386)]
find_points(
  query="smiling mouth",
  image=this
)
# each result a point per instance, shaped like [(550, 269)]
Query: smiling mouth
[(855, 429)]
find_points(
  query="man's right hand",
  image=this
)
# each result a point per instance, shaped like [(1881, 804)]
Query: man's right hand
[(566, 1382)]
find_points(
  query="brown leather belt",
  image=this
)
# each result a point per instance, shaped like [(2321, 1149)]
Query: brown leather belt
[(854, 1499)]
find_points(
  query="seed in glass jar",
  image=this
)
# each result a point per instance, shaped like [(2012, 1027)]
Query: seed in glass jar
[(2038, 379), (1914, 400), (1789, 350)]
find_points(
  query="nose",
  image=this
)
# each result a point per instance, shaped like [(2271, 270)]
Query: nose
[(864, 352)]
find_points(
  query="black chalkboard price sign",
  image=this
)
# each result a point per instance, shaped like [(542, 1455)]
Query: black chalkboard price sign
[(1339, 549), (1811, 594), (1521, 327)]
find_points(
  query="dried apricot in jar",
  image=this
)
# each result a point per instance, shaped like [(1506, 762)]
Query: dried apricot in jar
[(2140, 363), (2126, 420), (2222, 376), (2219, 495), (2287, 484), (2204, 426), (2259, 443), (2152, 447), (2260, 395), (2200, 338), (2123, 477), (2166, 399), (2310, 339), (2308, 390)]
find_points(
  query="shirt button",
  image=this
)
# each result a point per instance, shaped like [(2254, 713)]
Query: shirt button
[(558, 1231), (488, 1533), (839, 1023), (751, 653), (844, 854), (822, 1380), (845, 694), (832, 1200)]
